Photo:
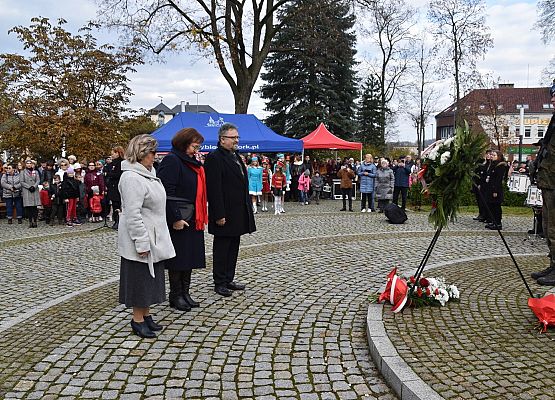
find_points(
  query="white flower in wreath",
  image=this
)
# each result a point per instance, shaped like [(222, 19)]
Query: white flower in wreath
[(444, 157), (448, 141), (433, 283), (454, 292), (433, 154), (442, 297)]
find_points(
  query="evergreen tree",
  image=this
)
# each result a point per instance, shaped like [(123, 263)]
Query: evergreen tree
[(369, 116), (310, 77)]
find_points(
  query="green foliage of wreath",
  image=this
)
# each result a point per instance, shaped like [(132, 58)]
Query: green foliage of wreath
[(447, 182)]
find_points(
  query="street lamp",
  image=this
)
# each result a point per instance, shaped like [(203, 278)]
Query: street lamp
[(197, 93)]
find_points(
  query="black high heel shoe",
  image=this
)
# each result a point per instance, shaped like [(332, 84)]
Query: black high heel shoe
[(153, 326), (187, 297), (141, 329)]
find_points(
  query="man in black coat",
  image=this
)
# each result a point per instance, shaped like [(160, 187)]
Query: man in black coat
[(230, 212)]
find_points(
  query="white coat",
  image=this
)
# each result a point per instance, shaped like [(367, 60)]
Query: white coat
[(142, 220)]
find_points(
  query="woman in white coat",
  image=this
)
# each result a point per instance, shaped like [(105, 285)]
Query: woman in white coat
[(144, 242)]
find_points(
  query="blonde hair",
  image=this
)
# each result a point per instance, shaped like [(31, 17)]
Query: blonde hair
[(139, 147)]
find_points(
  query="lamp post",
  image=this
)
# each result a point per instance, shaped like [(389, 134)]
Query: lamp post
[(520, 148), (197, 93), (63, 145)]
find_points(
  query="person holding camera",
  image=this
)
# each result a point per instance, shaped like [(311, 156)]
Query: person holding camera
[(346, 174), (30, 180)]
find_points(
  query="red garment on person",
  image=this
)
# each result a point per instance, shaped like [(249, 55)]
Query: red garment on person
[(95, 203), (278, 181), (45, 199), (266, 181)]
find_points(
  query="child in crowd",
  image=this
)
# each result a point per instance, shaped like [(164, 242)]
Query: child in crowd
[(57, 202), (304, 187), (278, 184), (70, 194), (317, 185), (95, 204), (254, 172), (266, 184), (46, 202)]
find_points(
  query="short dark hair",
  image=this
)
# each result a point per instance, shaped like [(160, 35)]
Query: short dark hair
[(226, 127), (185, 137)]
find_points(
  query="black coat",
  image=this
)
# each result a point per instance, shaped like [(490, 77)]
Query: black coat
[(112, 180), (495, 180), (180, 180), (70, 188), (228, 194)]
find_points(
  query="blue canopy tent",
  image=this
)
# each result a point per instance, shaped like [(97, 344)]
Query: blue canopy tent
[(255, 136)]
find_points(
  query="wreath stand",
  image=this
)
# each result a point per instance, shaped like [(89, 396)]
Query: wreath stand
[(432, 244)]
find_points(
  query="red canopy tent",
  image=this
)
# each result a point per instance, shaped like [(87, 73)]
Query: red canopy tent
[(321, 138)]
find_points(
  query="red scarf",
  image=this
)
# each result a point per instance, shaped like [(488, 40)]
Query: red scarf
[(201, 211)]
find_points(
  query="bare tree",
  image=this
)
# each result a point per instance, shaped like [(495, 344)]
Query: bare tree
[(546, 19), (236, 33), (462, 32), (422, 95), (391, 22)]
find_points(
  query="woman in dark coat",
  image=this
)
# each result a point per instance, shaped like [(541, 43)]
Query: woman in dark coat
[(112, 181), (183, 178), (494, 188)]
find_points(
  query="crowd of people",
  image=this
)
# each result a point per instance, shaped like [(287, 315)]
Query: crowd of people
[(62, 192)]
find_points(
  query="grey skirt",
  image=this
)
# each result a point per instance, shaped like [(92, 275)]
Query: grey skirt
[(137, 288)]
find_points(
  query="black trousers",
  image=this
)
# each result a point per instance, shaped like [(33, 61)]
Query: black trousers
[(32, 213), (481, 207), (403, 191), (225, 251), (346, 194), (496, 212)]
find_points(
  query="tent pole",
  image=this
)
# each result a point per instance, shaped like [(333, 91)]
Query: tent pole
[(360, 153)]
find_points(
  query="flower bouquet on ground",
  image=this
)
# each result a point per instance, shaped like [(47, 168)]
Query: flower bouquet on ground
[(416, 293), (447, 169)]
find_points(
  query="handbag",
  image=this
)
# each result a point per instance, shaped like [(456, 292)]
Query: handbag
[(185, 207)]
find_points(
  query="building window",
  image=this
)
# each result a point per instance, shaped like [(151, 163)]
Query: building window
[(547, 106), (517, 131), (446, 132), (161, 118), (500, 106), (541, 130), (527, 131), (505, 131)]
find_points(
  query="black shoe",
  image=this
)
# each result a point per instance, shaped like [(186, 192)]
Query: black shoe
[(351, 210), (115, 226), (223, 291), (153, 326), (179, 303), (494, 227), (541, 274), (479, 218), (192, 303), (235, 286), (343, 209), (141, 329), (547, 280), (532, 232), (20, 221)]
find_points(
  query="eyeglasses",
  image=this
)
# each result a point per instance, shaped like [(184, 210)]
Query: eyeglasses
[(232, 137), (63, 165)]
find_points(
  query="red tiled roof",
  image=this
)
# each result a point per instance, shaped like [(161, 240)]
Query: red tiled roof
[(508, 97)]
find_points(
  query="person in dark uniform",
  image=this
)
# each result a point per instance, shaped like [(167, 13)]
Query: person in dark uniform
[(493, 189), (184, 180), (113, 174), (229, 207), (479, 184), (544, 172)]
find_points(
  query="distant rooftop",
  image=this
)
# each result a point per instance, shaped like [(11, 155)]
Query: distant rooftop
[(201, 108)]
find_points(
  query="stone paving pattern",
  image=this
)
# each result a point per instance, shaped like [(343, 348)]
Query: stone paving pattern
[(297, 332), (484, 346)]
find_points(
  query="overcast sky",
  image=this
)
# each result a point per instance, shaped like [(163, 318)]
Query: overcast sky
[(518, 57)]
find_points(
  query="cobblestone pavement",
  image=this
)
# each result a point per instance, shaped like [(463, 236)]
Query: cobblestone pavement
[(298, 331)]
